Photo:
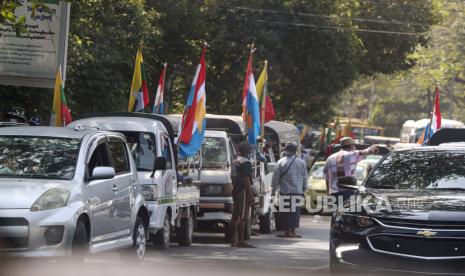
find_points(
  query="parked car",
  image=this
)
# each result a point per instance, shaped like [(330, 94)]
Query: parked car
[(414, 217), (316, 184), (66, 192), (172, 198)]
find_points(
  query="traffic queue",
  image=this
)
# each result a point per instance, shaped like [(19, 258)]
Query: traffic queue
[(111, 181)]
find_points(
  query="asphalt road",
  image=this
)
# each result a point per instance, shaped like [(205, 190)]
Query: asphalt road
[(209, 255)]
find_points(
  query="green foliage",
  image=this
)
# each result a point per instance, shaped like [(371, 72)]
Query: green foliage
[(316, 49), (409, 95)]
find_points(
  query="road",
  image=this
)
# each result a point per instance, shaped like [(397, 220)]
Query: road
[(210, 254)]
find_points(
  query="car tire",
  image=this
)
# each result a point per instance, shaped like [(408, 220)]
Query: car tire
[(163, 236), (267, 222), (80, 245), (136, 253), (185, 233)]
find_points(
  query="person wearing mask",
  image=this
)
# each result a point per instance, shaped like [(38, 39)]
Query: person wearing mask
[(343, 163), (242, 193), (291, 178)]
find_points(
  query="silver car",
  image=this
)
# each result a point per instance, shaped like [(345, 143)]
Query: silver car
[(67, 192)]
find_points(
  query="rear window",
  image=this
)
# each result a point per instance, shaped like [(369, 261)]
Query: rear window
[(420, 170)]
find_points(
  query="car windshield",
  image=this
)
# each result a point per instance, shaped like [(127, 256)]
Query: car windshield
[(214, 154), (317, 171), (143, 149), (38, 157), (419, 170)]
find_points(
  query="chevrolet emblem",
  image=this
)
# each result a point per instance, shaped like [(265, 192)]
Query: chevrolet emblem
[(427, 233)]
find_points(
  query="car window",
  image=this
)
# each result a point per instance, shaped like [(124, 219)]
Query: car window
[(166, 152), (119, 157), (143, 148), (99, 158), (419, 170), (214, 153), (38, 157)]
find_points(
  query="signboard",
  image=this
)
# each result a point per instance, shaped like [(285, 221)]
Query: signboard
[(33, 58)]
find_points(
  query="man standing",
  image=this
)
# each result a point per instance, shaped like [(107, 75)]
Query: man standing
[(344, 162), (242, 195), (291, 178)]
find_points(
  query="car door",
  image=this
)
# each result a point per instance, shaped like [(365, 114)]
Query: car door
[(101, 193), (169, 176), (123, 181)]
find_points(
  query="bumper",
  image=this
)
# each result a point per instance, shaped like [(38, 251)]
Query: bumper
[(215, 209), (360, 258), (27, 238)]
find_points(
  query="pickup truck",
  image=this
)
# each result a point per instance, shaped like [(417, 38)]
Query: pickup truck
[(223, 134), (172, 198)]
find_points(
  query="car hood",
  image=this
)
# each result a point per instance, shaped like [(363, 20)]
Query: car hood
[(215, 176), (416, 205), (317, 184), (22, 193)]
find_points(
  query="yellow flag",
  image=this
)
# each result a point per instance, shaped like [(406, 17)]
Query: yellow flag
[(136, 82), (56, 112), (261, 83)]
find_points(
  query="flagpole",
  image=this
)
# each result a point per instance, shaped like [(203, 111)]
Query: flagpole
[(263, 109)]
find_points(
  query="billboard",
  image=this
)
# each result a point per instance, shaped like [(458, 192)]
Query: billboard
[(33, 58)]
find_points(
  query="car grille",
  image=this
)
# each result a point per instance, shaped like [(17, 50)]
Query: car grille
[(422, 224), (420, 247), (14, 233)]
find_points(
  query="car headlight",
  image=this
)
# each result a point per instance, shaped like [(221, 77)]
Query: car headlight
[(357, 221), (51, 199), (149, 192)]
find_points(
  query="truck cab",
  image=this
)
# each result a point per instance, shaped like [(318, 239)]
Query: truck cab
[(223, 134), (172, 200)]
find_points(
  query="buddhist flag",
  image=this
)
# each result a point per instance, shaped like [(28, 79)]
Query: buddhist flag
[(192, 129), (266, 105), (61, 115), (250, 106), (139, 96), (158, 107)]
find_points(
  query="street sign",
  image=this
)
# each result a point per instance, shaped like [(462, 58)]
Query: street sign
[(33, 58)]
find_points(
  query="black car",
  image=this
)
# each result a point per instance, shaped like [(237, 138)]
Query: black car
[(412, 218)]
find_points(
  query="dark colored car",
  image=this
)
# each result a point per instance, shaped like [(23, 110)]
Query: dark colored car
[(412, 219)]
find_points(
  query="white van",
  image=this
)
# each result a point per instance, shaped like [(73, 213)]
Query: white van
[(411, 130)]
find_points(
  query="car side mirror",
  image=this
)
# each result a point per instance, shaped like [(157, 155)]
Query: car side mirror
[(347, 182), (271, 167), (100, 173), (160, 163)]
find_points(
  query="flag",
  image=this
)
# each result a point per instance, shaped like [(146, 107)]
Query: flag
[(139, 96), (266, 105), (337, 131), (61, 115), (193, 123), (434, 123), (158, 103), (347, 129), (250, 106)]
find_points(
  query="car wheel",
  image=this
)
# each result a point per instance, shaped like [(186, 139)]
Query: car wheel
[(162, 237), (267, 222), (136, 252), (185, 233), (80, 246)]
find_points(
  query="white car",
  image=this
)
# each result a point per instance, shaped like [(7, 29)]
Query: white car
[(68, 192)]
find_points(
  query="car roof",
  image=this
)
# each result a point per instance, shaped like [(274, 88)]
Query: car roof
[(44, 131), (443, 147)]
